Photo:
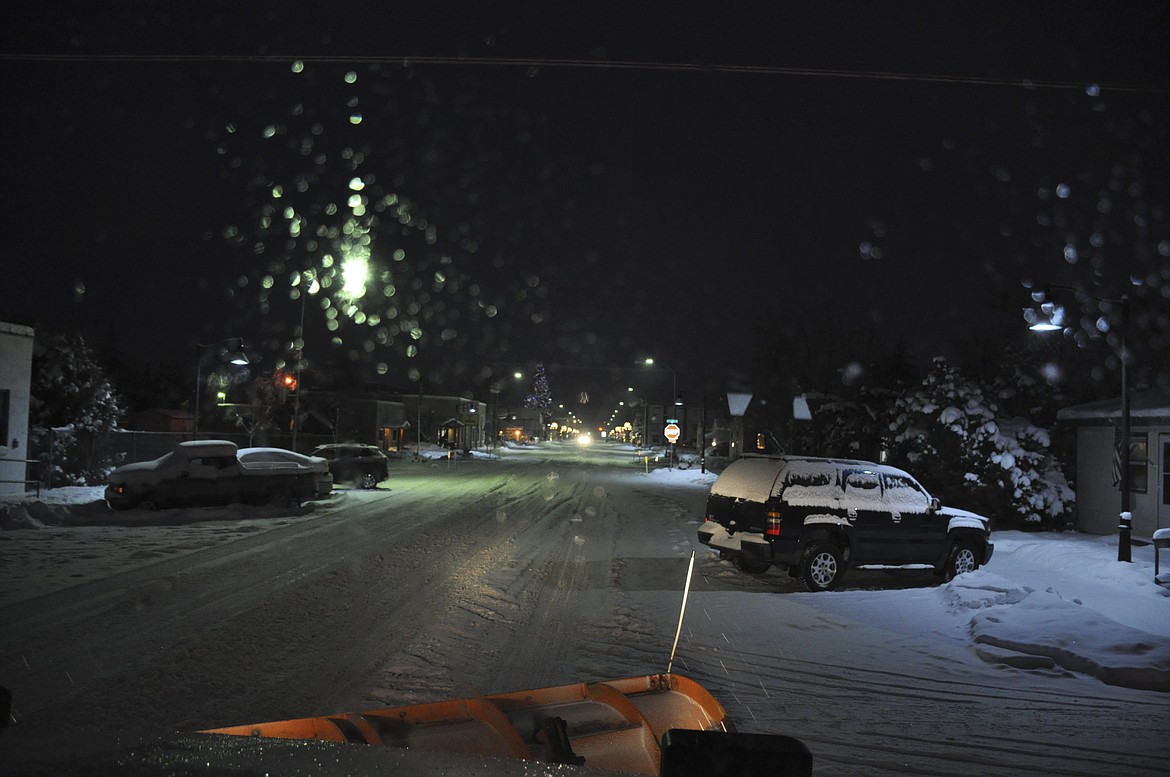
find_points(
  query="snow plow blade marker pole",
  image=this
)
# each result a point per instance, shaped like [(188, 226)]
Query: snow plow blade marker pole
[(681, 613)]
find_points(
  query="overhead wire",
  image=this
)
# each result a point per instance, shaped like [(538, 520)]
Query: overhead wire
[(599, 64)]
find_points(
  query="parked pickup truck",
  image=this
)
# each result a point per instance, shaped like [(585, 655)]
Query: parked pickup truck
[(206, 472)]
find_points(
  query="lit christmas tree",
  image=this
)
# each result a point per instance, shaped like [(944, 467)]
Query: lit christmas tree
[(540, 398)]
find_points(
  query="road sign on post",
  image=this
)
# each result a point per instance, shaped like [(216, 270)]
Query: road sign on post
[(671, 432)]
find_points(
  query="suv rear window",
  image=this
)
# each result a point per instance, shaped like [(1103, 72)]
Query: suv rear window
[(750, 479)]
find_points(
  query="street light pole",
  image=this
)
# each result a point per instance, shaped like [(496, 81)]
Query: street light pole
[(1052, 320), (198, 390), (703, 439), (300, 359), (674, 396), (1126, 526), (239, 357)]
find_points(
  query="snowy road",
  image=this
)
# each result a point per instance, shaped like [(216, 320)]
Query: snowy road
[(546, 567)]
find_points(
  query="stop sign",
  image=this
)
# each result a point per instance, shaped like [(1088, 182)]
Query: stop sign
[(672, 432)]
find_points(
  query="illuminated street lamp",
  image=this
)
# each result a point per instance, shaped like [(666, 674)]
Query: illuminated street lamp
[(308, 279), (674, 392), (235, 355), (1050, 318), (649, 362)]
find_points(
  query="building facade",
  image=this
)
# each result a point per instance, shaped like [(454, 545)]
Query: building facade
[(16, 350), (1098, 465)]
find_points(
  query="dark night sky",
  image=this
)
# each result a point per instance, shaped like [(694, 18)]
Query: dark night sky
[(605, 212)]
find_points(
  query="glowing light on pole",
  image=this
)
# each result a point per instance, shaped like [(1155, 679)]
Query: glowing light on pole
[(313, 288), (1050, 318), (355, 271), (236, 356)]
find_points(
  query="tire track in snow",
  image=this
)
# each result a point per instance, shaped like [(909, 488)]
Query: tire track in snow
[(487, 593), (172, 637)]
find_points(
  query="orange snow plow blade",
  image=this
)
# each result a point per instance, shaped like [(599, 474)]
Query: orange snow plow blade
[(616, 724)]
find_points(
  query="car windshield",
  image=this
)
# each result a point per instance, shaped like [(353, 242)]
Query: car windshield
[(547, 289)]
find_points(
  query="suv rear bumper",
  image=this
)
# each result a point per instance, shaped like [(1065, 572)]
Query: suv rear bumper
[(751, 546)]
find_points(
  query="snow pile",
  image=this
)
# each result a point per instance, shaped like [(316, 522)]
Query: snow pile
[(1024, 628)]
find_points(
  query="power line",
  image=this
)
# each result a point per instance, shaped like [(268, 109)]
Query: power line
[(767, 70)]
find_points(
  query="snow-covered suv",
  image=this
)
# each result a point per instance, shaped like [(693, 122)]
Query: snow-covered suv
[(816, 517)]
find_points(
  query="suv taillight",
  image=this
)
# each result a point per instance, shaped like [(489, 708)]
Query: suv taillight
[(772, 529)]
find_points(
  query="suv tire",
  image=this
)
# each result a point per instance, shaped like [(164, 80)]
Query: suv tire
[(822, 566), (962, 558), (752, 567), (367, 480)]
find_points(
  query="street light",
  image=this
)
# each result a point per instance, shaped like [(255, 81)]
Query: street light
[(703, 439), (236, 356), (494, 413), (497, 370), (649, 362), (308, 279), (674, 392), (1050, 318)]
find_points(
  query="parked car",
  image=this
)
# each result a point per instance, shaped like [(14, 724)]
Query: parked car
[(205, 472), (364, 466), (817, 517), (281, 458)]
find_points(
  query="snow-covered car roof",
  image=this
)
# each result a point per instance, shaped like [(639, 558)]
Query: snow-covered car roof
[(276, 454), (270, 458), (207, 448), (756, 478), (336, 446)]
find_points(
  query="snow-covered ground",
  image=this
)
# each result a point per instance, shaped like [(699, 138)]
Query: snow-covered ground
[(1054, 658)]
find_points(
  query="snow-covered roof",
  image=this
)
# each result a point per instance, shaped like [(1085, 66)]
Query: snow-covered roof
[(1149, 405), (16, 329)]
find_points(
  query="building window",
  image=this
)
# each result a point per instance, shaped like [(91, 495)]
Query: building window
[(4, 403), (1139, 460)]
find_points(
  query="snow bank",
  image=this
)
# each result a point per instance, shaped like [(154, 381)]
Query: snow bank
[(1042, 630)]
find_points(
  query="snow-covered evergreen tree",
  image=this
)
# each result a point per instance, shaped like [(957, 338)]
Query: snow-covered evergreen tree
[(953, 437), (73, 405)]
